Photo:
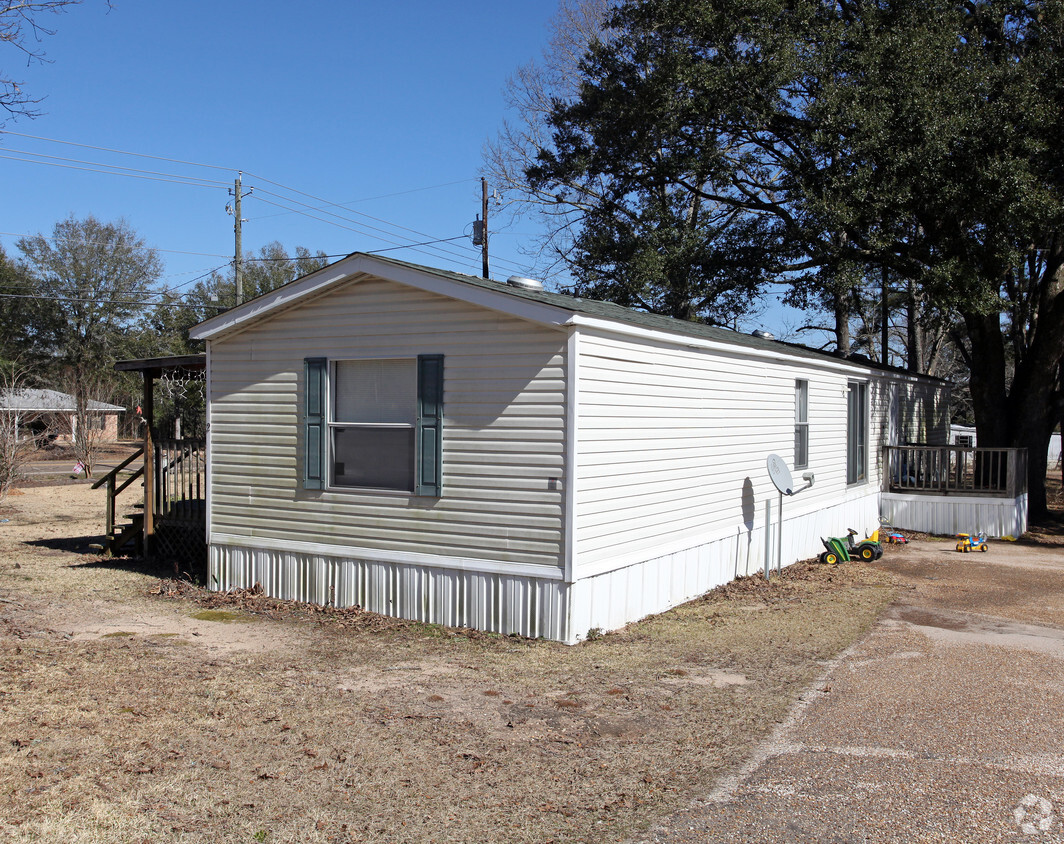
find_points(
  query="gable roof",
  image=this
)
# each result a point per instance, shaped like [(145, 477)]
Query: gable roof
[(48, 401), (543, 306)]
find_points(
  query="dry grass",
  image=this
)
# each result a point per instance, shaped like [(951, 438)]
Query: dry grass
[(343, 726)]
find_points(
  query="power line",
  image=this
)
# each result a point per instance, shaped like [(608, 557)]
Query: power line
[(116, 167), (200, 183), (83, 300), (411, 245), (193, 181), (381, 233), (117, 151), (370, 198), (296, 259), (165, 294), (104, 243), (346, 219), (352, 211)]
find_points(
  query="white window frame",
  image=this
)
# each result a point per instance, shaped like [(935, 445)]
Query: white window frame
[(801, 423), (333, 424), (857, 433)]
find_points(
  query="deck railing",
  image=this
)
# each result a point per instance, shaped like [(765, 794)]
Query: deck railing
[(957, 470), (181, 480)]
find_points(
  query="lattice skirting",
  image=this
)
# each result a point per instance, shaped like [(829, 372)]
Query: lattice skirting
[(183, 542)]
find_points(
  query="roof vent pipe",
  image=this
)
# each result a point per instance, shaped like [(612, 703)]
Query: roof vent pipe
[(764, 335), (525, 283)]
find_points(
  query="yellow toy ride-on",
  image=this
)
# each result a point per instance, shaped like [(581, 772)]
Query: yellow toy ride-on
[(972, 542)]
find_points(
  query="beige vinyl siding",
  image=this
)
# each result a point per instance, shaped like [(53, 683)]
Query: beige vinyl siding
[(922, 414), (672, 443), (503, 434)]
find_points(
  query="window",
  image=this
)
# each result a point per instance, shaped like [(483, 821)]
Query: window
[(374, 424), (371, 427), (801, 424), (857, 432)]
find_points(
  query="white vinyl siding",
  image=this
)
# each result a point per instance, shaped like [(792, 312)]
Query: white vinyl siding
[(503, 431), (919, 413), (672, 444)]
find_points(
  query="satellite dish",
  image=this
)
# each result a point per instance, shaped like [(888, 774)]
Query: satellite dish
[(780, 474)]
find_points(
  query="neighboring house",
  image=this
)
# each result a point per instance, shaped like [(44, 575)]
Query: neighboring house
[(440, 447), (54, 413), (964, 436)]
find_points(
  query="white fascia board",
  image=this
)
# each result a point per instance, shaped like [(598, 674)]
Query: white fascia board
[(209, 442), (572, 407), (687, 341), (361, 266)]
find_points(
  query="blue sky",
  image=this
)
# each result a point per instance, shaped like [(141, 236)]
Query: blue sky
[(384, 107)]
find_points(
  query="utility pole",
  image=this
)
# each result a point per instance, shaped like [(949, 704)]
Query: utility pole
[(238, 258), (484, 217)]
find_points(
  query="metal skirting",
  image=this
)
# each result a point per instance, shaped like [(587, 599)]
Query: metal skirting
[(947, 515), (497, 603), (612, 599), (537, 607)]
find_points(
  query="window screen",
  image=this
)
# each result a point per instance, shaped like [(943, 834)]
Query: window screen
[(372, 428), (801, 424), (380, 391)]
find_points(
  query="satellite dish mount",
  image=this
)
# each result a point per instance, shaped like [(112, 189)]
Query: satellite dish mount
[(780, 475)]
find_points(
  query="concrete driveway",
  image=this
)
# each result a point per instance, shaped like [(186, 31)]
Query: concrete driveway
[(945, 723)]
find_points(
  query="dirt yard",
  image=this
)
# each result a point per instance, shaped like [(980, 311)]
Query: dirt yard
[(137, 709)]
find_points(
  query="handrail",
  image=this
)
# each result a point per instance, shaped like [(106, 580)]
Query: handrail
[(114, 472), (110, 479), (130, 480)]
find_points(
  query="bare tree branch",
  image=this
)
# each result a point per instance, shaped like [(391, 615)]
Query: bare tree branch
[(21, 28)]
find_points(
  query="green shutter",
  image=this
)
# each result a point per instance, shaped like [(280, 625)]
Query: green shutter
[(429, 435), (314, 430)]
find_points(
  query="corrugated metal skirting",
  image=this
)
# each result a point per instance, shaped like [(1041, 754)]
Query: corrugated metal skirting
[(612, 599), (497, 603), (952, 514), (531, 606)]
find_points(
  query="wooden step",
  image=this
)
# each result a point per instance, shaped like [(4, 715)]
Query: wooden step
[(131, 531)]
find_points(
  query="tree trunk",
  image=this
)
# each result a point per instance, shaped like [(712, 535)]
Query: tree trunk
[(1021, 415), (987, 382), (841, 305), (914, 357)]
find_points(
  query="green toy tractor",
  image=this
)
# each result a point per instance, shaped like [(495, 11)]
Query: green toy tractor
[(842, 550)]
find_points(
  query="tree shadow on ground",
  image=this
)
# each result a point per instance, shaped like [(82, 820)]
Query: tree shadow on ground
[(70, 544), (139, 565)]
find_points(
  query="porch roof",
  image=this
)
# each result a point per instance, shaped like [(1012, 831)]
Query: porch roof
[(156, 366)]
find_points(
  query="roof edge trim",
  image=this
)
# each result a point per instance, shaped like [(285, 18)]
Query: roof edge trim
[(780, 356), (362, 264)]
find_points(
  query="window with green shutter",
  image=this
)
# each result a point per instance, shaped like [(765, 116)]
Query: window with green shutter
[(429, 439), (384, 426), (315, 371)]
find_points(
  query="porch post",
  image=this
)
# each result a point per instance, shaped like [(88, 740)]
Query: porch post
[(149, 464)]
